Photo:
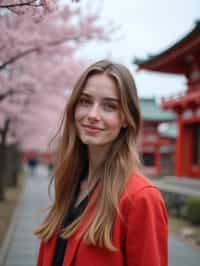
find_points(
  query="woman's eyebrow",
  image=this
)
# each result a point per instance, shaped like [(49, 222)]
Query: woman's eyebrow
[(85, 94), (104, 98), (111, 99)]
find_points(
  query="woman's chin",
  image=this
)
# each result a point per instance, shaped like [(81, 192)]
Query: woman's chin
[(92, 142)]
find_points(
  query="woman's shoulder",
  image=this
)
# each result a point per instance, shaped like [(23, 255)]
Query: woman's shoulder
[(140, 187), (137, 182)]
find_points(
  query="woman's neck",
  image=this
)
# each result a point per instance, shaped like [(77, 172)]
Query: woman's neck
[(96, 158)]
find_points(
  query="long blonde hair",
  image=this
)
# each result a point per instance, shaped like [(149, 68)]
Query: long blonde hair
[(72, 158)]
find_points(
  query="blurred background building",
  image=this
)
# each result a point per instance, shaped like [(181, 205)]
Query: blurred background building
[(183, 58)]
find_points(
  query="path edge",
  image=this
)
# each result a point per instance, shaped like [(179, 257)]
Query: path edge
[(10, 232)]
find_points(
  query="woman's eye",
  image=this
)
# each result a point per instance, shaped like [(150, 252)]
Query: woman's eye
[(110, 107), (84, 102)]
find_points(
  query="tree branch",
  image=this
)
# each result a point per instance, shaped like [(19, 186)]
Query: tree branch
[(35, 49), (19, 4), (12, 92), (16, 57), (6, 94)]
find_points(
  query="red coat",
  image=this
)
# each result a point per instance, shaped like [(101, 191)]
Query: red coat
[(141, 238)]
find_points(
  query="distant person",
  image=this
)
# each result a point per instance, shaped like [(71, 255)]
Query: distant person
[(105, 212), (32, 164), (50, 167)]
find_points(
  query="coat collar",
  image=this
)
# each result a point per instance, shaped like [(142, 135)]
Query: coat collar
[(72, 243)]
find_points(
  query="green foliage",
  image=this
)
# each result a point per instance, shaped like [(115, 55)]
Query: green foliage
[(193, 209)]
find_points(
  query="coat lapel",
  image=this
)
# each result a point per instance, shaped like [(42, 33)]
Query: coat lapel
[(72, 247), (74, 241), (50, 250)]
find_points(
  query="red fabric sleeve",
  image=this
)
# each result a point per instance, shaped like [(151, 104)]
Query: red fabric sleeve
[(147, 230), (40, 255)]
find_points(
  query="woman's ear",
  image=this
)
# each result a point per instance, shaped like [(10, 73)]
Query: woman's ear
[(124, 121)]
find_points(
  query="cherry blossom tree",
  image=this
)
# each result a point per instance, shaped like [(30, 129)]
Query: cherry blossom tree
[(22, 6), (30, 120), (22, 37), (38, 63)]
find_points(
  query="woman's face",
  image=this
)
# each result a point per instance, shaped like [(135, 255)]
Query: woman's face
[(98, 115)]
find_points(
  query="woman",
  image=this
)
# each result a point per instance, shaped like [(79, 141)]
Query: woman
[(105, 211)]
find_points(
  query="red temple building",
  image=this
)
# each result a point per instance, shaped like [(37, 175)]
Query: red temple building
[(157, 146), (183, 58)]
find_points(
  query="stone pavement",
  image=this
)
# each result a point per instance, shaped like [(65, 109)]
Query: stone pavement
[(23, 246)]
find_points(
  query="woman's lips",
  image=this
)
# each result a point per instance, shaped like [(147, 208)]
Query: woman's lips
[(92, 129)]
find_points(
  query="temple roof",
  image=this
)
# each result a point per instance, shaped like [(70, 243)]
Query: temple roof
[(151, 111), (174, 59), (182, 103)]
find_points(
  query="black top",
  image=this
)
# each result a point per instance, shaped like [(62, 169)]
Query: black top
[(71, 215)]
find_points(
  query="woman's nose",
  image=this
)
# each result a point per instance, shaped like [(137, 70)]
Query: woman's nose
[(94, 112)]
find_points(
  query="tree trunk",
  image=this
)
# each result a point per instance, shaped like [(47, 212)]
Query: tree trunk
[(15, 161), (2, 171), (3, 132)]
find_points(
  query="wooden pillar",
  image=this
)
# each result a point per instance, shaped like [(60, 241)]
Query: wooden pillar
[(157, 158), (179, 147)]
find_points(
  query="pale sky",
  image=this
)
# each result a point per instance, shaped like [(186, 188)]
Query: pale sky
[(147, 27)]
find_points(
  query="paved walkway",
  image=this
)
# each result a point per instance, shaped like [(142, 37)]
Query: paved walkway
[(23, 247)]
